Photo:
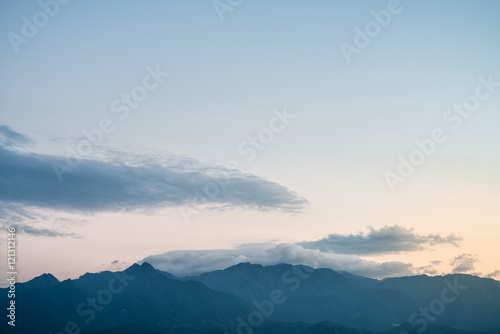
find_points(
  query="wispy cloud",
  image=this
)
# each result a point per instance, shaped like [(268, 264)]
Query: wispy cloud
[(429, 269), (115, 265), (131, 182), (35, 231), (16, 216), (494, 274), (194, 262), (11, 138), (388, 239), (464, 263)]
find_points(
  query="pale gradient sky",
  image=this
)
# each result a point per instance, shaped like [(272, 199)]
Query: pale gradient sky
[(352, 121)]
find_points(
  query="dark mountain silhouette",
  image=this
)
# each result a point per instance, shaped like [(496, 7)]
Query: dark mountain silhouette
[(253, 299), (42, 281), (314, 295), (476, 305), (137, 298), (151, 298), (361, 302)]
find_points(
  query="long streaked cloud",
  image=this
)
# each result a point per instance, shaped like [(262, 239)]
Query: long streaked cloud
[(130, 182), (38, 232), (388, 239), (23, 220), (194, 262)]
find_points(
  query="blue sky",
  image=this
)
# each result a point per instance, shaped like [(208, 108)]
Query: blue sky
[(226, 81)]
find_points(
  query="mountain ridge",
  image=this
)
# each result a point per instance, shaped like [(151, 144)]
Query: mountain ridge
[(263, 299)]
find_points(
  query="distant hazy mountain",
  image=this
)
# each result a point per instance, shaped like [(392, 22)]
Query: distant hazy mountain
[(314, 295), (253, 299), (355, 301), (476, 305)]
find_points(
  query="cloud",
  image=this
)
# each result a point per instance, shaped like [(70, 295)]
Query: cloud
[(388, 239), (11, 138), (21, 219), (494, 274), (464, 263), (429, 269), (194, 262), (115, 265), (131, 182), (38, 232)]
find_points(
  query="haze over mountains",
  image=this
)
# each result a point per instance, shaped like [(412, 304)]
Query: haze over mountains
[(249, 298)]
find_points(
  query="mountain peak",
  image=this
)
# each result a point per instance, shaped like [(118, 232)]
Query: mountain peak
[(135, 266), (243, 266), (147, 266), (43, 281), (46, 277), (247, 265), (144, 268)]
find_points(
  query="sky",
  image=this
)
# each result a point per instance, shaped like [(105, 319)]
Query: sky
[(355, 135)]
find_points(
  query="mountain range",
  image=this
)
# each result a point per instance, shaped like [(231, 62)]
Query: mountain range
[(250, 298)]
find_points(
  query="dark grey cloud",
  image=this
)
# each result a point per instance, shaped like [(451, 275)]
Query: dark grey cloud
[(388, 239), (464, 263), (11, 138), (194, 262), (132, 182)]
